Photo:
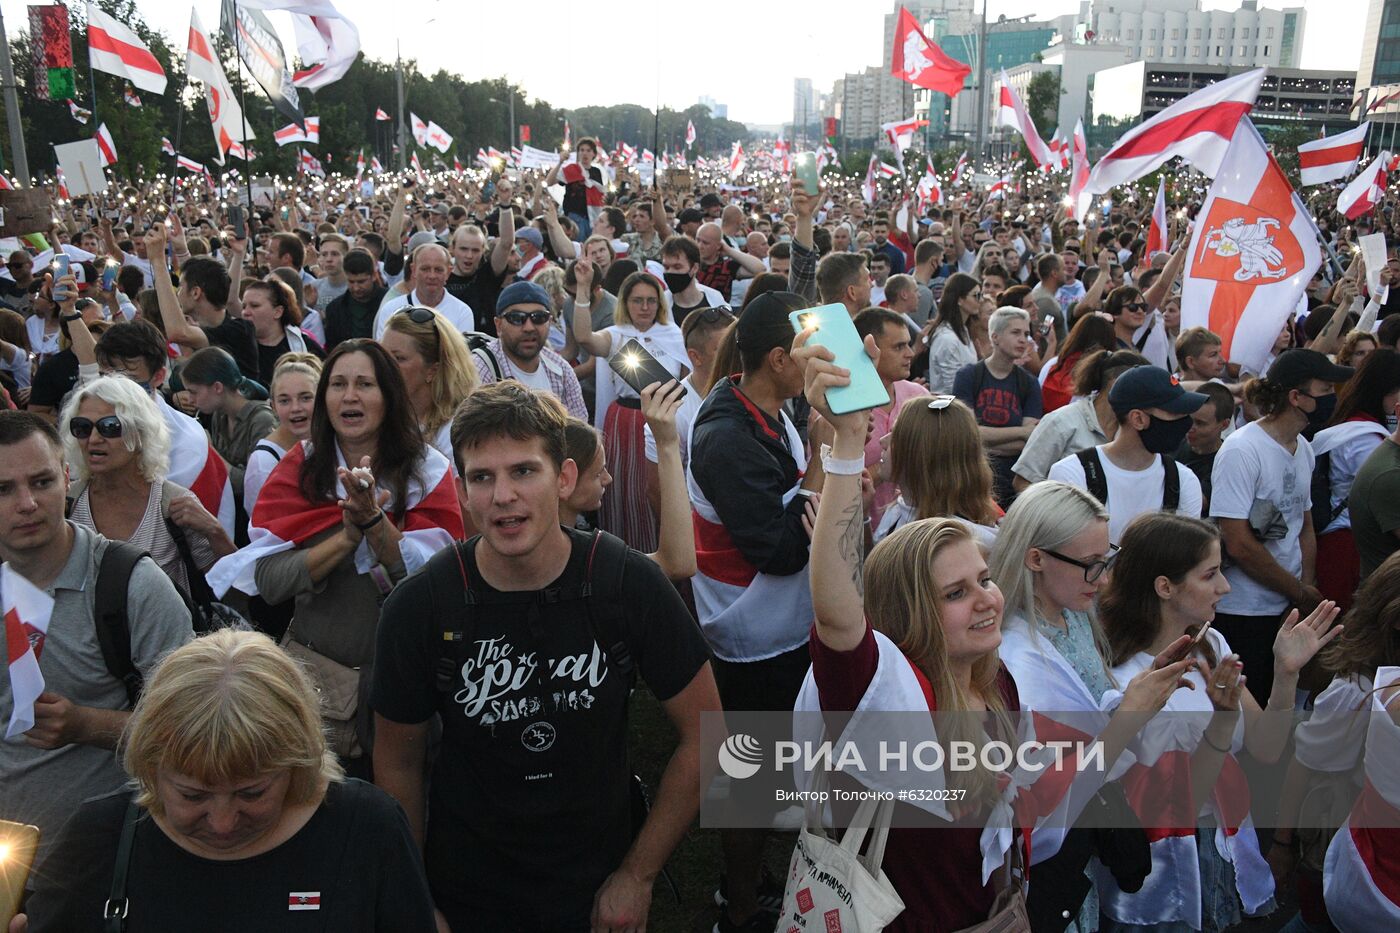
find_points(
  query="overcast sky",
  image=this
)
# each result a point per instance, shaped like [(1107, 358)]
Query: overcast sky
[(740, 52)]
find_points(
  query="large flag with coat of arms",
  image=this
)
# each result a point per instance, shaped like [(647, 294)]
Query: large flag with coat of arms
[(1253, 251)]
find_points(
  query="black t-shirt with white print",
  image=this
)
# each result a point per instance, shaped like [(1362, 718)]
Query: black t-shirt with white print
[(529, 798)]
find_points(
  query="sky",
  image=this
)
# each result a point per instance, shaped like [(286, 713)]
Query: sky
[(740, 52)]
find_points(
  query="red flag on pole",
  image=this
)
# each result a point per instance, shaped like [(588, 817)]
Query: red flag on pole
[(920, 62)]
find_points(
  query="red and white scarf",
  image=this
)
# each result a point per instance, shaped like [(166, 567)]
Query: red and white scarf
[(284, 518), (195, 465)]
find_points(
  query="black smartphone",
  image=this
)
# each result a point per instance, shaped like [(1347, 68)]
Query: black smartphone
[(239, 221), (637, 367)]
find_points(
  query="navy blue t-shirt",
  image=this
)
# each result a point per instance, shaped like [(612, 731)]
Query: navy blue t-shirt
[(999, 403)]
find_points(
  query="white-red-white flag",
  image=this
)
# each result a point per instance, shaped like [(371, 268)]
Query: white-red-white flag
[(1332, 157), (82, 115), (689, 133), (27, 610), (62, 185), (782, 155), (568, 135), (327, 42), (929, 190), (870, 190), (313, 129), (736, 159), (115, 49), (374, 165), (420, 129), (438, 138), (958, 169), (1198, 128), (1253, 251), (189, 165), (201, 64), (1079, 201), (1012, 113), (888, 171), (900, 133), (379, 114), (1157, 230), (105, 147), (166, 146), (1000, 187), (5, 183), (291, 133), (131, 97), (1366, 190), (311, 165), (417, 166)]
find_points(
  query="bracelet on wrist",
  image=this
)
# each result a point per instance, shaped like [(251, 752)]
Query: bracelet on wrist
[(70, 318), (834, 467), (379, 517), (1206, 736)]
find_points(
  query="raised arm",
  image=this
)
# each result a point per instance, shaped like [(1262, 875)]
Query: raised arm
[(599, 343), (564, 247), (1162, 288), (393, 237), (505, 241), (676, 550), (750, 264), (658, 215), (177, 329), (836, 564)]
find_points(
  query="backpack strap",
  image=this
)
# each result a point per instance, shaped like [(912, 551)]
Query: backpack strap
[(1171, 484), (603, 579), (1094, 479), (110, 618), (446, 572), (1142, 341), (114, 911), (269, 449), (200, 597)]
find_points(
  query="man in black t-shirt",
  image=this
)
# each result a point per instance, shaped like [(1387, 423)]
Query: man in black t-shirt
[(528, 825), (476, 277), (203, 296)]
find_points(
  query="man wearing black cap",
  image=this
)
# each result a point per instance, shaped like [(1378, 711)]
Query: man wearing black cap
[(751, 591), (1261, 488), (1129, 474), (521, 352), (688, 222)]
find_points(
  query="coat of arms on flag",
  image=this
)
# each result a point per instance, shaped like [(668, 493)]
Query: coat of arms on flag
[(1241, 244)]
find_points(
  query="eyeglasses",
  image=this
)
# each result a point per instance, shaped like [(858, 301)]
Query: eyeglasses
[(1136, 306), (940, 402), (109, 427), (1092, 569), (518, 318), (418, 314)]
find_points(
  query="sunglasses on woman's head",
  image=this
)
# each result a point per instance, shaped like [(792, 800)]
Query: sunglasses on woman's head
[(109, 427), (418, 314), (518, 318)]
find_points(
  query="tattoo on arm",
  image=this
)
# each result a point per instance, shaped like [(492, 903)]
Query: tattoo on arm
[(852, 543)]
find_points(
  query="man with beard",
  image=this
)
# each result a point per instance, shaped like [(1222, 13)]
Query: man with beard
[(520, 351)]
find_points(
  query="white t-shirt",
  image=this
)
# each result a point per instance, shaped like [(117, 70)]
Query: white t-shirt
[(685, 417), (539, 379), (455, 310), (1132, 492), (1255, 474)]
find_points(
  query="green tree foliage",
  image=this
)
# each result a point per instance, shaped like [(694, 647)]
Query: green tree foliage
[(475, 113), (1043, 101)]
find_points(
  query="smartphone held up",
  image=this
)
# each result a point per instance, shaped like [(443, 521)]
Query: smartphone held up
[(836, 332)]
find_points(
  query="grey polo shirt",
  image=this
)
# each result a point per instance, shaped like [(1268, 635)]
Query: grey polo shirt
[(1064, 431), (45, 786)]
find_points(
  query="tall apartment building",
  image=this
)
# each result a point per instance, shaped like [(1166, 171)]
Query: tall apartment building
[(1180, 32)]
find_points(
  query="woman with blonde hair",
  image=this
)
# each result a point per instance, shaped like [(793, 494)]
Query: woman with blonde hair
[(642, 315), (117, 446), (552, 281), (437, 368), (238, 799), (293, 396), (937, 460)]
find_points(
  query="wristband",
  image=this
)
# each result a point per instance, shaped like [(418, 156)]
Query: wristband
[(833, 467), (371, 523), (70, 318), (1206, 736)]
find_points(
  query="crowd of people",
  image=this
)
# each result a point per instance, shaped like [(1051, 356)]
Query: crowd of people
[(359, 531)]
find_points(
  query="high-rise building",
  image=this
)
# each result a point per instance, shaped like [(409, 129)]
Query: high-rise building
[(805, 108), (1380, 45), (1180, 32), (717, 110)]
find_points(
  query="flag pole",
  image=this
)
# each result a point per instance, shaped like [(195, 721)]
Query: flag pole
[(180, 122), (243, 106), (12, 115)]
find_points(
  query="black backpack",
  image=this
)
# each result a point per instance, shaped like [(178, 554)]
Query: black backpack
[(1324, 512), (110, 618), (1097, 482), (477, 343)]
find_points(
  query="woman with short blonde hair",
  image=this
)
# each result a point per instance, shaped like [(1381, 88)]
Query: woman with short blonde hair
[(437, 369), (240, 813)]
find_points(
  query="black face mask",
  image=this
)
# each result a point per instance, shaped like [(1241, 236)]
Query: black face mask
[(1164, 437), (677, 282), (1323, 408)]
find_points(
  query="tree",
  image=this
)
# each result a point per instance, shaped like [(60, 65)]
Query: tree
[(1043, 101)]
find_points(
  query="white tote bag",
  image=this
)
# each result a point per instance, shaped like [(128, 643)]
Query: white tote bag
[(831, 886)]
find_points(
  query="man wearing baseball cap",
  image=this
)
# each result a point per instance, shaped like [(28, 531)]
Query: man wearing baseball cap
[(529, 244), (1135, 472), (521, 350), (1261, 495)]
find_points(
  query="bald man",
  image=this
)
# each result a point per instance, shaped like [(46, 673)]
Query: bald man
[(721, 263)]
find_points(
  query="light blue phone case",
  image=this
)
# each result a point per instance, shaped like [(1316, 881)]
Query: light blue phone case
[(837, 333)]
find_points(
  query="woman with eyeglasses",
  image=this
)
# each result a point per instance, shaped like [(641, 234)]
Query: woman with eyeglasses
[(950, 343), (1051, 559), (344, 516), (642, 316), (117, 446), (437, 368), (273, 308), (935, 457), (1207, 870)]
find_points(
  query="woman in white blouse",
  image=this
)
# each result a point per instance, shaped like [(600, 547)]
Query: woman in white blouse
[(950, 345)]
